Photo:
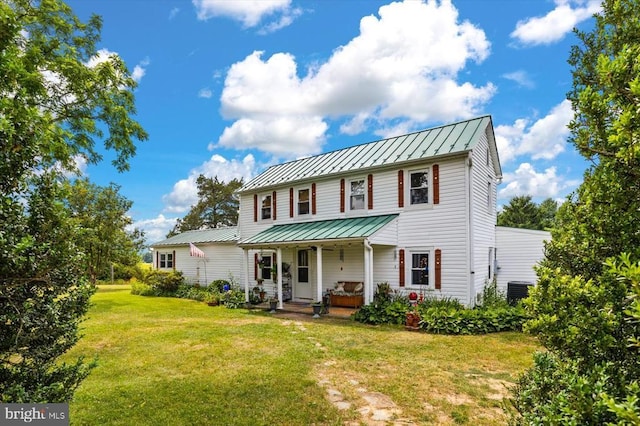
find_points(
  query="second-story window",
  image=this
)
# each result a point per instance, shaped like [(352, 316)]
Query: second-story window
[(419, 191), (356, 198), (303, 201), (266, 207)]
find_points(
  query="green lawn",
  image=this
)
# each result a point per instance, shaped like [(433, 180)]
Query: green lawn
[(164, 361)]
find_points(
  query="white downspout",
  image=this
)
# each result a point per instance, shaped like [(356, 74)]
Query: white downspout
[(319, 274), (368, 272), (279, 266), (245, 266)]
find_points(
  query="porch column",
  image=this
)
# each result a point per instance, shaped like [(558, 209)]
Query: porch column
[(245, 266), (368, 272), (319, 274), (279, 266)]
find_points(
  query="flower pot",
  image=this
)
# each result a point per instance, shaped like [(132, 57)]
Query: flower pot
[(273, 304), (317, 309), (412, 321)]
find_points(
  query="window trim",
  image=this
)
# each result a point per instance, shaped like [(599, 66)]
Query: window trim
[(410, 252), (364, 193), (167, 259), (262, 207), (407, 185), (308, 202)]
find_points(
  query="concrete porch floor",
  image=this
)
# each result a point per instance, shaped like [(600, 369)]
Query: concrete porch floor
[(305, 309)]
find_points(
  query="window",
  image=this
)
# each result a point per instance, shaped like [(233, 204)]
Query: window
[(356, 199), (266, 207), (166, 260), (303, 266), (419, 191), (265, 272), (303, 201), (420, 268)]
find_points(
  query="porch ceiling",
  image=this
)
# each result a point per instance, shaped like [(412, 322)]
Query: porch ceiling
[(322, 230)]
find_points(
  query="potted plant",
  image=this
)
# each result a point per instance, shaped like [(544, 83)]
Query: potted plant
[(212, 299), (413, 319), (273, 304), (317, 309)]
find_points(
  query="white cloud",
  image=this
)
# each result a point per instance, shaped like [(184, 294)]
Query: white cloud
[(185, 191), (556, 24), (521, 78), (402, 69), (527, 181), (544, 139), (249, 12), (155, 229), (205, 93), (173, 13)]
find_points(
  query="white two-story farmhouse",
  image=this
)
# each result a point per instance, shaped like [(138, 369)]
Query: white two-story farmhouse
[(417, 211)]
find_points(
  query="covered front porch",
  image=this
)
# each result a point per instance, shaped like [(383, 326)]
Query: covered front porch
[(301, 262)]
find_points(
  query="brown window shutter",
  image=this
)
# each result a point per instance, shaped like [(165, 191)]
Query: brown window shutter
[(401, 266), (157, 260), (370, 192), (313, 198), (400, 188), (438, 277), (255, 266), (275, 259), (273, 206), (290, 202), (255, 207), (341, 195), (174, 260), (436, 184)]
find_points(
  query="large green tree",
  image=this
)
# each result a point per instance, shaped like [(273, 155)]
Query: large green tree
[(585, 306), (217, 206), (100, 215), (523, 212), (54, 105)]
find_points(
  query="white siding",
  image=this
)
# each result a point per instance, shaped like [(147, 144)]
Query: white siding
[(518, 250), (222, 261), (483, 215)]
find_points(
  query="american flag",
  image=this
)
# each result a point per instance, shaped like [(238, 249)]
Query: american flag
[(195, 251)]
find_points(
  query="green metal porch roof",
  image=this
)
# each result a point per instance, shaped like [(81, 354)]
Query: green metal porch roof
[(322, 230), (216, 235), (443, 140)]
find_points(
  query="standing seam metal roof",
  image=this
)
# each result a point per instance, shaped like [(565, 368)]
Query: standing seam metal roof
[(333, 229), (448, 139), (216, 235)]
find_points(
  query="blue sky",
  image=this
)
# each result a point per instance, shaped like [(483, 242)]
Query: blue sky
[(227, 88)]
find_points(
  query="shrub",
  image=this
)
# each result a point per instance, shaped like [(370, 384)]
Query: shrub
[(142, 289), (234, 298), (219, 285), (164, 283)]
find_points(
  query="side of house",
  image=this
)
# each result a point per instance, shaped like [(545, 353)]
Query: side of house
[(221, 257), (519, 250)]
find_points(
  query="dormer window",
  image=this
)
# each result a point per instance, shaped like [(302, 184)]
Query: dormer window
[(266, 207)]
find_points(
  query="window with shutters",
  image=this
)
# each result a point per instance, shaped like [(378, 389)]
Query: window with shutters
[(419, 187), (266, 207), (265, 267), (304, 201), (166, 261), (420, 268), (356, 195)]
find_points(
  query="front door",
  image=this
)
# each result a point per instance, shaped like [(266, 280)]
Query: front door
[(303, 289)]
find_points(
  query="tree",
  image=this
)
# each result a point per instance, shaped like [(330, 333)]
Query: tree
[(100, 215), (217, 206), (53, 103), (585, 307), (522, 212)]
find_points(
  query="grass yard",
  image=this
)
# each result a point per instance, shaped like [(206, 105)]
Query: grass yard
[(165, 361)]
